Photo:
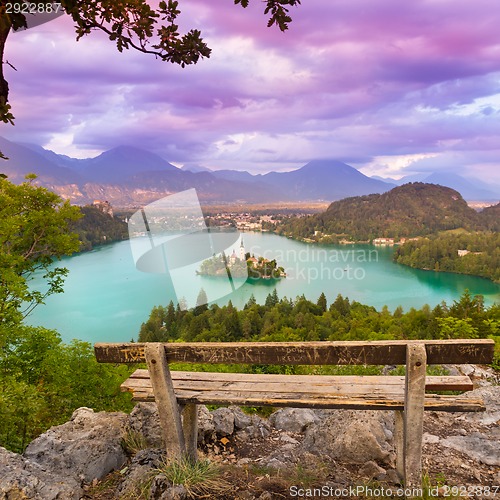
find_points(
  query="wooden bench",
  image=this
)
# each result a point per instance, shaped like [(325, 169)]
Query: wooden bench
[(178, 393)]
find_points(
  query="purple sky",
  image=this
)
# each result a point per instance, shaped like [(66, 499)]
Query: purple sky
[(390, 87)]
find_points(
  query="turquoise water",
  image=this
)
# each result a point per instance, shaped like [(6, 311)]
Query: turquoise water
[(106, 299)]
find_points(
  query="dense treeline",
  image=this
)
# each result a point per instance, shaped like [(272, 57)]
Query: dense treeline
[(441, 253), (96, 228), (414, 209), (42, 381), (303, 320)]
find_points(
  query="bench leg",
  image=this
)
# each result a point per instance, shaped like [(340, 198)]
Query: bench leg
[(168, 409), (190, 426), (416, 361), (399, 443)]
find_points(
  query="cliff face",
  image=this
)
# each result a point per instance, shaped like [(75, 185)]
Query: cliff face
[(260, 458)]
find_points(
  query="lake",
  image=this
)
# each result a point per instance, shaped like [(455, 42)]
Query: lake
[(106, 298)]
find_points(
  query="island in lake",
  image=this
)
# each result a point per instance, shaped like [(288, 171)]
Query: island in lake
[(255, 268)]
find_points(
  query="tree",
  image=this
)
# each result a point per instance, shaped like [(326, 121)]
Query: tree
[(33, 233), (131, 24), (322, 302)]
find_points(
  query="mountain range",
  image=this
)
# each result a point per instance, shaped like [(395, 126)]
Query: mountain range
[(470, 189), (127, 176)]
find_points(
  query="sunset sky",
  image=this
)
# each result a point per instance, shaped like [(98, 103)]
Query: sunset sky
[(388, 86)]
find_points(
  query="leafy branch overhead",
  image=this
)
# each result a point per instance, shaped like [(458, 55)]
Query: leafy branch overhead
[(131, 24)]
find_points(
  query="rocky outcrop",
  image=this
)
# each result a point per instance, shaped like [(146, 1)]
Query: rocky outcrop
[(354, 445), (59, 462)]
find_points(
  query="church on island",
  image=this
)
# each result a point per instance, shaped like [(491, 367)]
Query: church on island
[(244, 264)]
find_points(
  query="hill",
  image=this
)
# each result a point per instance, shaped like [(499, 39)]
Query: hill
[(470, 189), (490, 218), (413, 209), (96, 228)]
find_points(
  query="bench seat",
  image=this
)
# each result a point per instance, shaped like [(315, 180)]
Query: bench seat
[(304, 391)]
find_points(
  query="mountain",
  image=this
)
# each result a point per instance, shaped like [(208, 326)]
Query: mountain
[(236, 175), (120, 163), (470, 190), (410, 210), (195, 168), (23, 160), (130, 176), (325, 180)]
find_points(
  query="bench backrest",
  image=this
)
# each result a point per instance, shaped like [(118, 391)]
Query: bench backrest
[(390, 352)]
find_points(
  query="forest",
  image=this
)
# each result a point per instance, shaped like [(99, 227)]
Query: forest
[(475, 253), (301, 319), (97, 228)]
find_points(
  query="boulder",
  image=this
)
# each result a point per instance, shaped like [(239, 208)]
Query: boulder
[(293, 419), (144, 419), (21, 478), (477, 446), (139, 472), (353, 436), (206, 427), (223, 419), (85, 448)]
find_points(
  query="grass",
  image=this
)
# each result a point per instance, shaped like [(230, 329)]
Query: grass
[(202, 477), (133, 441)]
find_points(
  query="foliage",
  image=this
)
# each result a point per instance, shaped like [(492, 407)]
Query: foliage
[(96, 228), (304, 320), (410, 210), (199, 478), (134, 441), (441, 253), (42, 381), (34, 225)]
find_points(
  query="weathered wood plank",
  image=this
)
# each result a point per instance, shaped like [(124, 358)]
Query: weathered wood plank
[(165, 397), (414, 414), (432, 402), (297, 383), (190, 427), (305, 353), (399, 443)]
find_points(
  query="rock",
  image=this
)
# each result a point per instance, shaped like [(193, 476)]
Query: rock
[(285, 438), (430, 438), (352, 436), (491, 397), (478, 446), (143, 462), (274, 463), (159, 485), (206, 427), (223, 419), (144, 419), (265, 496), (21, 478), (392, 477), (177, 492), (371, 470), (293, 419), (258, 429), (241, 419), (85, 448)]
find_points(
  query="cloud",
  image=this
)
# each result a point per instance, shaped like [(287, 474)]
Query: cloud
[(357, 80)]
